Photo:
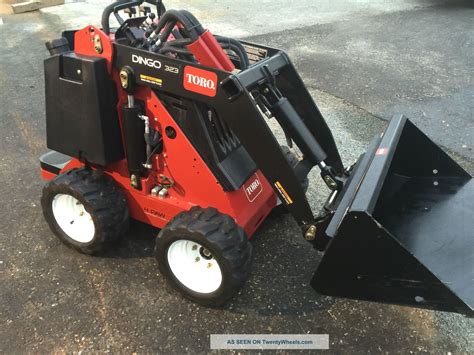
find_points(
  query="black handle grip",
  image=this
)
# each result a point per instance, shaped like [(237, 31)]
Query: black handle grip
[(111, 8)]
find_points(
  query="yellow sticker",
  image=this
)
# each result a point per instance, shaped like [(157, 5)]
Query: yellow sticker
[(151, 80), (283, 193)]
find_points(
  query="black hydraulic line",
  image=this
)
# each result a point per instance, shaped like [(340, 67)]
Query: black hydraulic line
[(236, 47), (244, 63), (178, 42), (185, 56), (222, 39), (154, 144), (179, 17), (196, 24), (177, 34), (167, 31), (177, 46), (171, 49)]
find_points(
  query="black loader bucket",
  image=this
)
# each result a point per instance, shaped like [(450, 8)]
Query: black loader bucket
[(403, 231)]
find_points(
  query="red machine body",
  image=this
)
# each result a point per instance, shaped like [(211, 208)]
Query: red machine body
[(195, 184)]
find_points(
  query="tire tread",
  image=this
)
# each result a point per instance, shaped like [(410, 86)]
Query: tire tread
[(224, 234), (105, 202)]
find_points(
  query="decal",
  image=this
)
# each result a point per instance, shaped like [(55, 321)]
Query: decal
[(283, 193), (151, 80), (381, 151), (152, 63), (201, 81), (154, 212), (171, 69), (253, 188)]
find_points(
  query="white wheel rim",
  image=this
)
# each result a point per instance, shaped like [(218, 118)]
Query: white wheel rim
[(72, 218), (194, 266)]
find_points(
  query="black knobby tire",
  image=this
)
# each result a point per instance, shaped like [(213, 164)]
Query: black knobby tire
[(99, 196), (222, 237)]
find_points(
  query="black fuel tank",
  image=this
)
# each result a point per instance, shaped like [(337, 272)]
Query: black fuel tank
[(81, 109)]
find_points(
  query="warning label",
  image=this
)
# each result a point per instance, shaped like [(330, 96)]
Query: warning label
[(283, 193), (151, 80)]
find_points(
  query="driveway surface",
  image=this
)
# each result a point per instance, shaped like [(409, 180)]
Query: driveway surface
[(362, 61)]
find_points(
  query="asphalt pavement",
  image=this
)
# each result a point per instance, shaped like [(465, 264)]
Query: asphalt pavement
[(362, 61)]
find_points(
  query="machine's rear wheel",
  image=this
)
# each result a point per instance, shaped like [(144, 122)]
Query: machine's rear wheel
[(85, 209), (205, 255)]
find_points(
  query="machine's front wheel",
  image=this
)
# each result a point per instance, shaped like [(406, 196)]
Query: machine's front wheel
[(85, 209), (205, 255)]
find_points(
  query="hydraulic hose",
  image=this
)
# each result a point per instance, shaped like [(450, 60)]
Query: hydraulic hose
[(244, 63), (195, 22), (169, 49), (167, 31), (178, 42), (236, 47), (177, 16)]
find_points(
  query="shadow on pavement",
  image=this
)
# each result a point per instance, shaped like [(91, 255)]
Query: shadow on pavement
[(137, 243), (283, 266)]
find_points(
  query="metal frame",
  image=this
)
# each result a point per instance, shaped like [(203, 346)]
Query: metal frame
[(236, 105)]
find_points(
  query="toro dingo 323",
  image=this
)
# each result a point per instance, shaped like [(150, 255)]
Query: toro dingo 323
[(161, 121)]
